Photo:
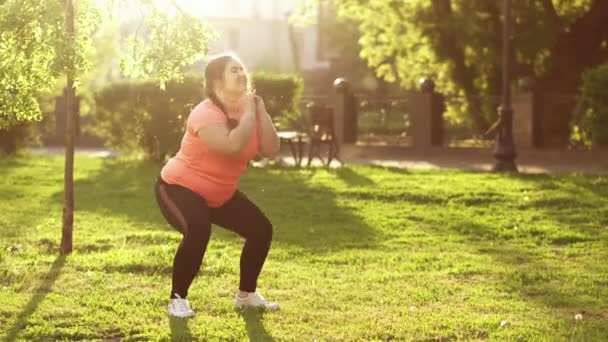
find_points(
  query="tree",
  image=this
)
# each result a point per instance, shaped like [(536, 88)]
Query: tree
[(42, 41), (458, 42), (580, 42)]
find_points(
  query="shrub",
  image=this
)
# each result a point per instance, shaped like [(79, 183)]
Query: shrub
[(282, 94), (140, 117), (590, 125), (13, 138)]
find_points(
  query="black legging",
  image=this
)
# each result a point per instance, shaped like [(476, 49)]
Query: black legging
[(189, 214)]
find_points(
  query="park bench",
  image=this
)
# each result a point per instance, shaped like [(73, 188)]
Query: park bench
[(320, 132)]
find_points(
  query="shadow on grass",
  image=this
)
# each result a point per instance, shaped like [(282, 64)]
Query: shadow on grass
[(303, 213), (557, 212), (8, 163), (532, 272), (41, 291), (306, 212), (353, 178), (179, 329), (552, 210), (119, 187), (23, 196), (254, 325), (253, 319), (535, 279), (392, 169), (580, 203)]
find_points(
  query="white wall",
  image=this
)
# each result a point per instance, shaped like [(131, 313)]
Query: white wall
[(266, 9), (257, 31)]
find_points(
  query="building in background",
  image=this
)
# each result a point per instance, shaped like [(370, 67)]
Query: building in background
[(260, 33)]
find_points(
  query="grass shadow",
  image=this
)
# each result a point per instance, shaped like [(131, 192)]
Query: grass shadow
[(550, 284), (119, 187), (533, 228), (24, 199), (392, 169), (528, 271), (41, 291), (353, 178), (303, 211), (179, 329), (306, 211), (254, 325), (579, 202), (8, 163)]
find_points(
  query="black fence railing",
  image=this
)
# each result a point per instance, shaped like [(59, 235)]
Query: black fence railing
[(465, 121), (384, 120)]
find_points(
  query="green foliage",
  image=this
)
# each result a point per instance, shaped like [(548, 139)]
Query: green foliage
[(140, 117), (591, 125), (171, 44), (282, 94), (571, 10), (35, 50), (339, 40), (12, 138), (28, 41), (17, 136), (459, 44)]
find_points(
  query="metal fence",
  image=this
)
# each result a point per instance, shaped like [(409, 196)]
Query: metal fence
[(384, 120), (466, 120), (387, 120)]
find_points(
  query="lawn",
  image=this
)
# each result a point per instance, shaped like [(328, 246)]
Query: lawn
[(359, 253)]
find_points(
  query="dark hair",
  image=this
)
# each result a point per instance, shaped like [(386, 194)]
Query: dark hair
[(214, 71)]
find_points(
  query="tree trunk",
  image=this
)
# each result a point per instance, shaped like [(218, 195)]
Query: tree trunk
[(576, 49), (68, 180), (294, 44), (450, 50)]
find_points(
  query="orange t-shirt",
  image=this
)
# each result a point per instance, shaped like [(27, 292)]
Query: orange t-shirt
[(212, 175)]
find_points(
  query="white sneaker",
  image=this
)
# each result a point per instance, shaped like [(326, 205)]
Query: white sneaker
[(254, 300), (179, 308)]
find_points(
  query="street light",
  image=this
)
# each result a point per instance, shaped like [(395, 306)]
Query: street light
[(504, 151)]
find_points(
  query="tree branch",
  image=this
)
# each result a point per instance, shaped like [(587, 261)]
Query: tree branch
[(594, 21), (179, 9), (554, 19), (450, 49)]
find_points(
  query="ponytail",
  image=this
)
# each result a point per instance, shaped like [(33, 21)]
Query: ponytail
[(215, 72)]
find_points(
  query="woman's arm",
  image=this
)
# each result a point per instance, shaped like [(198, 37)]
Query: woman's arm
[(268, 137), (219, 138)]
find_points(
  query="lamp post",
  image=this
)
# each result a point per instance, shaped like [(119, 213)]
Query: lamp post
[(504, 151)]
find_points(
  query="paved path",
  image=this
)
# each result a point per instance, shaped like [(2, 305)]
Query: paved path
[(86, 151), (479, 159), (527, 160)]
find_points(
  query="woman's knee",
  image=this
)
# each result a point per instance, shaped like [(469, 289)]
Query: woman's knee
[(265, 229), (197, 235)]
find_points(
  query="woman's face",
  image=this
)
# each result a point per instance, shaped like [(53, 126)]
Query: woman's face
[(235, 78)]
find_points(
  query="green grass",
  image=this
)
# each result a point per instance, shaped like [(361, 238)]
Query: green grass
[(359, 253)]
